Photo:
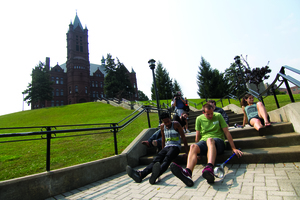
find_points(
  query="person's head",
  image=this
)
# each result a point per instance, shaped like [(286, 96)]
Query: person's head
[(208, 111), (185, 115), (213, 103), (247, 100), (165, 117)]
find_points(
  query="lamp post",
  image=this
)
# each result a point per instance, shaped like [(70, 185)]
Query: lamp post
[(237, 60), (152, 67)]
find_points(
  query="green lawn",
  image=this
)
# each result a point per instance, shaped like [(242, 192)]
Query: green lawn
[(24, 158)]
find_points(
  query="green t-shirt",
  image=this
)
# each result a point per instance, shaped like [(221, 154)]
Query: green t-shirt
[(211, 128)]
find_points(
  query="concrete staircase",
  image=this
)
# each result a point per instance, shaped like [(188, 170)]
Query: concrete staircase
[(278, 143)]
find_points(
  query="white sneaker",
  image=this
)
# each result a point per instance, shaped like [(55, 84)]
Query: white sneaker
[(187, 130), (184, 131)]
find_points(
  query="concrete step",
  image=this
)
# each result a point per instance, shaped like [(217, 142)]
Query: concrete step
[(257, 155)]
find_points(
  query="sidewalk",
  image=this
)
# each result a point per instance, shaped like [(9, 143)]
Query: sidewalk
[(245, 181)]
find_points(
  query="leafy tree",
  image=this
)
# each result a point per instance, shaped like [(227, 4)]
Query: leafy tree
[(163, 83), (211, 83), (117, 83), (142, 96), (257, 75), (40, 89)]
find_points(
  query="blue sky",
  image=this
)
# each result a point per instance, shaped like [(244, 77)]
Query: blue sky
[(176, 33)]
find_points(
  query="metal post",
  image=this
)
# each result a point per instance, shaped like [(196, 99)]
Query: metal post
[(149, 125), (287, 87), (115, 138), (48, 149), (275, 97)]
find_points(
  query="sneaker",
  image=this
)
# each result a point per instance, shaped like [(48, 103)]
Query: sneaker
[(182, 174), (135, 175), (155, 173), (208, 174), (184, 131), (188, 131)]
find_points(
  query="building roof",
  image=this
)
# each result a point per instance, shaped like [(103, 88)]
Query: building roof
[(77, 23), (93, 68)]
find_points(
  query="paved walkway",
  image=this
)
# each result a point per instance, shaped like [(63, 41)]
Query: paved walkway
[(245, 181)]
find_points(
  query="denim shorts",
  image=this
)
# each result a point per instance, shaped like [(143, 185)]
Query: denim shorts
[(220, 146), (262, 121)]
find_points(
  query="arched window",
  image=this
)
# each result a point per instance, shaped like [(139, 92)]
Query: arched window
[(57, 80), (61, 80)]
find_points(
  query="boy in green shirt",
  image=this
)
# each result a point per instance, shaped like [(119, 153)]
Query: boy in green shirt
[(211, 129)]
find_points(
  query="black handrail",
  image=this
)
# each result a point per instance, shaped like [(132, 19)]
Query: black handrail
[(113, 127)]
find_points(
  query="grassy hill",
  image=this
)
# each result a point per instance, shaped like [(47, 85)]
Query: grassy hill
[(24, 158)]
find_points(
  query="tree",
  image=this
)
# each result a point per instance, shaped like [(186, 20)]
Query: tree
[(176, 87), (163, 83), (40, 89), (234, 80), (117, 83), (211, 83), (142, 96), (257, 75)]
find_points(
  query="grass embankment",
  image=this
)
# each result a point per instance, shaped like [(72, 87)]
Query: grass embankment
[(24, 158)]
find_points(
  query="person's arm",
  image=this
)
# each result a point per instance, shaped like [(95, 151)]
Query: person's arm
[(230, 140), (225, 116), (178, 128), (198, 136), (163, 140), (245, 116)]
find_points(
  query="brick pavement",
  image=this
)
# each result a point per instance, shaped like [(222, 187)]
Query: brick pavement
[(242, 181)]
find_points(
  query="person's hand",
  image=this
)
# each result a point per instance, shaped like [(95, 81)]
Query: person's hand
[(238, 152)]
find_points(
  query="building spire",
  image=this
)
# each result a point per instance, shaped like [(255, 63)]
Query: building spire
[(77, 22)]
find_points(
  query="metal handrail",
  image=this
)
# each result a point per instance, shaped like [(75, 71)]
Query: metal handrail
[(113, 127)]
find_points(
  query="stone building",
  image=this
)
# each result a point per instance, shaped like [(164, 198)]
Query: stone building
[(78, 80)]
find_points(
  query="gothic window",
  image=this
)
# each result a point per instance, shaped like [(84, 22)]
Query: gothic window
[(76, 88), (96, 83), (101, 84), (94, 94), (61, 92), (57, 80), (97, 95), (86, 90), (61, 80), (57, 92), (93, 84), (70, 91), (134, 85)]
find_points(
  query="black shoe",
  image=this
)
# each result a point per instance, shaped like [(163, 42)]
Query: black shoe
[(208, 174), (182, 174), (155, 173), (133, 174)]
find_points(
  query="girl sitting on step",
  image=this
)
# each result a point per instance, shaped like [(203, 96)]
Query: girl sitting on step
[(256, 113)]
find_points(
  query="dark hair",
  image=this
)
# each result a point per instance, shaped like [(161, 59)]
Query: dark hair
[(212, 101), (244, 102), (207, 106), (164, 115), (184, 112)]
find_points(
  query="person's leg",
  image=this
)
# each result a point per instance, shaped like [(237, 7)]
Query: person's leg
[(211, 151), (192, 156), (153, 137), (256, 123), (159, 158), (171, 155), (262, 113)]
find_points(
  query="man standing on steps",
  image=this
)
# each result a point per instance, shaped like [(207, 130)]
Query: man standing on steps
[(211, 129), (171, 133)]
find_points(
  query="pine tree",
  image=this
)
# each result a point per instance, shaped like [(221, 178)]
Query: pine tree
[(142, 96), (163, 83)]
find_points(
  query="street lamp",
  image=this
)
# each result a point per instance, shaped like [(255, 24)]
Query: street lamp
[(237, 60), (152, 67)]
